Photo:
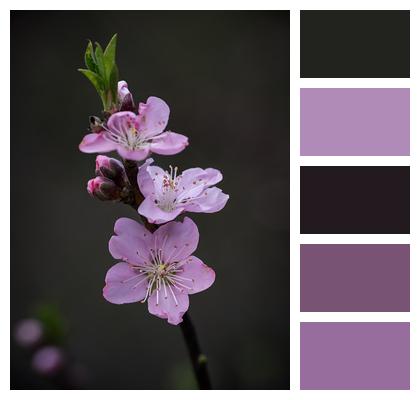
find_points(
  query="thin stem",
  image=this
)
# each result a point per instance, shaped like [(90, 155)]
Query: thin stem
[(198, 359)]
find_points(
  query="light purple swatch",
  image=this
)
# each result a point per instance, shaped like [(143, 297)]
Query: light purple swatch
[(355, 122), (355, 355), (355, 277)]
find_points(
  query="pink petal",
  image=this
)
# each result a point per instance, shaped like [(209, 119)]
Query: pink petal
[(168, 308), (96, 143), (202, 276), (156, 175), (154, 116), (169, 143), (132, 242), (121, 121), (124, 284), (192, 178), (178, 240), (144, 180), (213, 176), (154, 214), (136, 155), (212, 200)]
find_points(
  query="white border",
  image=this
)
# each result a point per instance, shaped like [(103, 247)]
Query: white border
[(295, 161)]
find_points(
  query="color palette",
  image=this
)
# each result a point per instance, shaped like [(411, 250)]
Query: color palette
[(355, 44), (351, 355), (355, 122), (369, 276), (354, 277), (355, 200)]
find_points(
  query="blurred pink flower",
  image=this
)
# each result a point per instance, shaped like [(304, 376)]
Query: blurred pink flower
[(166, 194), (48, 360), (28, 332), (133, 136), (157, 267)]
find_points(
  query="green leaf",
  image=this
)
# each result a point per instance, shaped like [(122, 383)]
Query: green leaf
[(89, 58), (113, 83), (94, 78), (109, 56), (55, 326), (99, 56)]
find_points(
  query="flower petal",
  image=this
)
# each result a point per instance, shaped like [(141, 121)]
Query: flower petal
[(153, 185), (124, 284), (172, 307), (136, 155), (96, 143), (132, 242), (213, 176), (202, 276), (144, 179), (154, 116), (169, 143), (192, 178), (177, 240), (154, 214), (122, 121), (212, 200)]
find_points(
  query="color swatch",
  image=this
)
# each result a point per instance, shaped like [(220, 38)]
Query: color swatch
[(355, 277), (350, 355), (355, 122), (355, 200), (355, 44)]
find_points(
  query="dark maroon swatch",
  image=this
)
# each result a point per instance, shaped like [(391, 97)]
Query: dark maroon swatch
[(355, 277), (355, 200)]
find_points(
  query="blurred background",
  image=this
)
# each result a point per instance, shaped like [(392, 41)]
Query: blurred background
[(225, 76)]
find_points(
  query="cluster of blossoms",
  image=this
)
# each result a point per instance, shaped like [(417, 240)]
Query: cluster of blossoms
[(156, 258)]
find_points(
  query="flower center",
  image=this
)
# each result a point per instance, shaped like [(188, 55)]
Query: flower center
[(127, 136), (162, 277), (167, 200)]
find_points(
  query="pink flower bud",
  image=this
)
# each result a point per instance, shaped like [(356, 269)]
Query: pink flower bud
[(48, 360), (112, 169), (125, 98), (28, 332), (103, 189)]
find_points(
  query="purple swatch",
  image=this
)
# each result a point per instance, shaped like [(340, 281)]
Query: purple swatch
[(355, 122), (348, 277), (355, 355)]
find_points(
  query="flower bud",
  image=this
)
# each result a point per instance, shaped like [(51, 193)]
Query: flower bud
[(48, 360), (28, 332), (112, 169), (103, 189), (125, 98), (96, 124)]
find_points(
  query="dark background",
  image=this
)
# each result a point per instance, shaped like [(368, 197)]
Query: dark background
[(225, 76), (355, 44)]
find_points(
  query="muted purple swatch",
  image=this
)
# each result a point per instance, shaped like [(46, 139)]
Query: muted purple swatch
[(355, 122), (355, 355), (354, 277)]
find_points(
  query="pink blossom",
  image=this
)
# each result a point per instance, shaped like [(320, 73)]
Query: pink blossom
[(28, 332), (48, 360), (133, 136), (166, 194), (157, 267)]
